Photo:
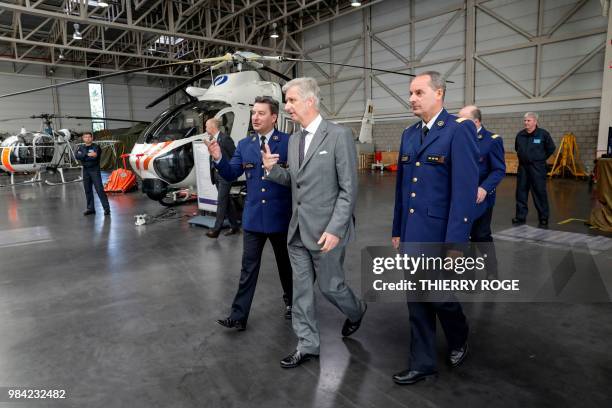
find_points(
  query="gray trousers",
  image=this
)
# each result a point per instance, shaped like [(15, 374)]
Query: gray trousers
[(327, 268)]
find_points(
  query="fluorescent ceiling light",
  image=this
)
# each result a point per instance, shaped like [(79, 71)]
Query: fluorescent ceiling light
[(77, 34), (274, 34), (102, 3), (168, 40), (355, 3)]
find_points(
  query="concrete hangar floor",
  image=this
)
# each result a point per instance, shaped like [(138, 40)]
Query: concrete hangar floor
[(119, 315)]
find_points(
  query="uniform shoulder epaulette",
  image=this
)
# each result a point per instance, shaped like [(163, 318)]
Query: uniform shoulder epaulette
[(495, 136), (459, 120)]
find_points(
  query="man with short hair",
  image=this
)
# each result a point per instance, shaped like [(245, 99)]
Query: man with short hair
[(437, 182), (267, 209), (491, 170), (224, 203), (533, 147), (89, 155), (322, 174)]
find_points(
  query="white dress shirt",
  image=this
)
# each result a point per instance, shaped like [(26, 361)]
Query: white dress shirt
[(432, 121), (311, 129)]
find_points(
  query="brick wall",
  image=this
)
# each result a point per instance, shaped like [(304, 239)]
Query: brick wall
[(584, 123)]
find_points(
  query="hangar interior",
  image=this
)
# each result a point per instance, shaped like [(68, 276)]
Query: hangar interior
[(121, 315)]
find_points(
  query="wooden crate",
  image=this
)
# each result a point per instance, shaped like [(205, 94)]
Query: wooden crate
[(389, 158), (366, 160), (511, 163)]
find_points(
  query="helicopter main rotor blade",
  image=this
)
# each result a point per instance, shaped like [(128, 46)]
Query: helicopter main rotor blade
[(386, 71), (179, 87), (110, 75), (226, 57), (194, 78), (11, 119), (275, 72), (109, 119)]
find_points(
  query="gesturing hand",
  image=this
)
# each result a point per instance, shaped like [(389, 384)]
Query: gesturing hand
[(214, 150), (329, 241), (268, 159)]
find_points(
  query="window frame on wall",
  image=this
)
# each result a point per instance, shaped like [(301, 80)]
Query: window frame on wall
[(96, 106)]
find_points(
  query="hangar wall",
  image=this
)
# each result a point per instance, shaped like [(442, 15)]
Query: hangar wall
[(507, 56), (123, 100)]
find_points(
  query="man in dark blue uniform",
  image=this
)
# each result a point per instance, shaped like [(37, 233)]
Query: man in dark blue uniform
[(89, 155), (437, 182), (491, 170), (533, 147), (267, 209)]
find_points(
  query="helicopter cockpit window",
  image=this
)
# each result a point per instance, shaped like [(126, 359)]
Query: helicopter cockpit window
[(227, 123), (186, 121)]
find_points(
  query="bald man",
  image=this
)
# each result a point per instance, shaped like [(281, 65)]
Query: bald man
[(491, 171)]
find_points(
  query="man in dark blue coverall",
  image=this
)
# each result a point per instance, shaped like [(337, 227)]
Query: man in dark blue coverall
[(533, 147), (89, 155)]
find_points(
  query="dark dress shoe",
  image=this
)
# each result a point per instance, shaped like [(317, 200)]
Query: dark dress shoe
[(212, 234), (232, 324), (543, 223), (288, 312), (409, 376), (351, 327), (456, 357), (232, 231), (89, 212), (518, 221), (296, 358)]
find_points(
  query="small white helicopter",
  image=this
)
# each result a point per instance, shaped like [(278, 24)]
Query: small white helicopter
[(163, 155), (47, 150)]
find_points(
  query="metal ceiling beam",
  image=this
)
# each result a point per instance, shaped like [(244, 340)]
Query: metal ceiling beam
[(132, 27)]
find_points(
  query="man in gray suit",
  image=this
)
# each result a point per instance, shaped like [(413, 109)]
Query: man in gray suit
[(322, 173)]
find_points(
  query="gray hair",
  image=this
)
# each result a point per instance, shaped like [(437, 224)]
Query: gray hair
[(307, 88), (531, 115), (436, 81)]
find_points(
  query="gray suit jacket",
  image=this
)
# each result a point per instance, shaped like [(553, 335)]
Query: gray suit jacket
[(324, 188)]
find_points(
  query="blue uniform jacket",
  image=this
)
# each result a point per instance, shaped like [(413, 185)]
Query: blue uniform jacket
[(268, 205), (491, 165), (435, 196)]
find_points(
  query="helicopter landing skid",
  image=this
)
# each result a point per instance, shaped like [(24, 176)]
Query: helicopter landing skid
[(36, 179), (61, 173)]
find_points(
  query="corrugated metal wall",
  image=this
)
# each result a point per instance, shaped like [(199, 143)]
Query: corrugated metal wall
[(122, 101), (527, 54)]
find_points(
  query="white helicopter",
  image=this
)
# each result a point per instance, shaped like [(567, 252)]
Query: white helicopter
[(163, 154), (47, 150)]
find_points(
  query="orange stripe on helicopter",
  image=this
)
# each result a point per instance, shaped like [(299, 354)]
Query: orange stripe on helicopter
[(6, 159), (153, 153), (139, 155)]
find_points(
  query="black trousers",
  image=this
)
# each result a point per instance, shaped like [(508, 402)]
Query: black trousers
[(225, 207), (253, 245), (92, 176), (423, 331), (531, 176), (481, 236)]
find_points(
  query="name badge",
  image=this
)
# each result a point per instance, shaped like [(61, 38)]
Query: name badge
[(537, 141), (405, 158), (248, 166), (434, 158)]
